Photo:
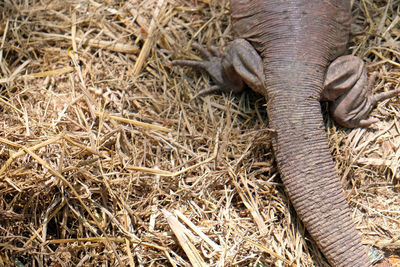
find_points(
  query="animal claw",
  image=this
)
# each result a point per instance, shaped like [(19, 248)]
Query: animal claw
[(209, 90), (383, 95)]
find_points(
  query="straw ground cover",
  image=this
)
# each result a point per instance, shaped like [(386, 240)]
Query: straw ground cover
[(106, 158)]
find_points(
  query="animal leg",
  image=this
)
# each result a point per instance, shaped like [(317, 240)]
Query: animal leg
[(348, 89), (239, 64)]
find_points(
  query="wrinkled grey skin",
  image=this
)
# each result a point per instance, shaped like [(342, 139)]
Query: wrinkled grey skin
[(289, 51)]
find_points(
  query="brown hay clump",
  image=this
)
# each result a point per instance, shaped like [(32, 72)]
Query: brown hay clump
[(106, 158)]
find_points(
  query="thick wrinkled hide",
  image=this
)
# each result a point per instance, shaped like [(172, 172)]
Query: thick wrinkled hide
[(297, 40)]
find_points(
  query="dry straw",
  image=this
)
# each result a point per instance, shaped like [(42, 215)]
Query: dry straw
[(106, 157)]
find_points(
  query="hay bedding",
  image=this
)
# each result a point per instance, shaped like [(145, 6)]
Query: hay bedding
[(106, 160)]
